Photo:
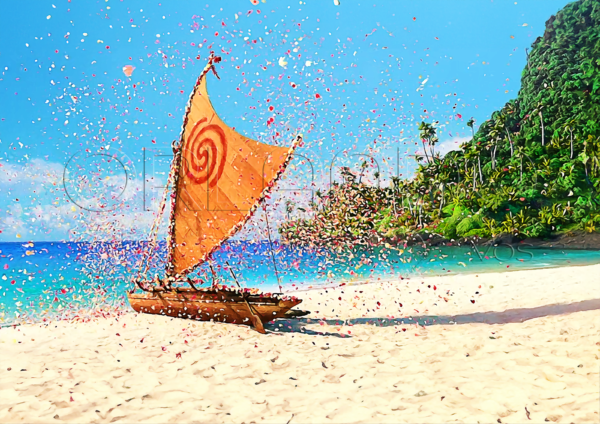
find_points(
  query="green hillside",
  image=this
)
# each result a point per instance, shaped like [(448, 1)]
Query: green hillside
[(533, 169)]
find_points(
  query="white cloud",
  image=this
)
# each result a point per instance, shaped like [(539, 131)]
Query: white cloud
[(35, 171), (451, 144), (36, 206)]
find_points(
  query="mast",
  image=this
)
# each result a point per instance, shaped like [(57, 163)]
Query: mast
[(212, 59)]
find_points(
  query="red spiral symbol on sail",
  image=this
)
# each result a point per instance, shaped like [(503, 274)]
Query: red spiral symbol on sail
[(205, 153)]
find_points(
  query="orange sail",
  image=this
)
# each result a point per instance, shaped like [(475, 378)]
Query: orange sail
[(221, 178)]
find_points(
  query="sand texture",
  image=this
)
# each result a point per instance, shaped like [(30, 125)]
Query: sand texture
[(512, 356)]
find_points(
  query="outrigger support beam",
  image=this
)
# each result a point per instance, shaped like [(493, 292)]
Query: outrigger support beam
[(214, 275), (138, 282), (189, 281), (256, 321)]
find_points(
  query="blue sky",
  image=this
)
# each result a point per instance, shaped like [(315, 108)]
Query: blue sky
[(353, 78)]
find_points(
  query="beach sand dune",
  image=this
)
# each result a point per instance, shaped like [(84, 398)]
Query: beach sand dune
[(415, 350)]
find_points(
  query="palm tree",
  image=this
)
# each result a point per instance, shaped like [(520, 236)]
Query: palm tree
[(569, 126), (470, 124), (510, 109), (363, 166), (539, 108), (432, 142), (426, 132), (453, 159), (494, 146), (289, 207), (479, 165), (501, 123), (587, 154), (471, 154), (594, 146), (583, 156), (520, 155), (495, 138)]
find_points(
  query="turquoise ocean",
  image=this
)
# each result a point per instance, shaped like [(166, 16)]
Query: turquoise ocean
[(42, 280)]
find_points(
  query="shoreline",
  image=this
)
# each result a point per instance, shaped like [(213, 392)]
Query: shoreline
[(433, 275), (363, 282), (578, 240)]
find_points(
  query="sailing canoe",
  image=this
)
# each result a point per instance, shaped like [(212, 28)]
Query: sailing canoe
[(219, 305), (219, 178)]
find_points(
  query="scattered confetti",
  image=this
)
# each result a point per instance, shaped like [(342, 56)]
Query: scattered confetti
[(128, 70)]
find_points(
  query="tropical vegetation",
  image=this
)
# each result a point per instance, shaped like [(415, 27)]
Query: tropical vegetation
[(531, 170)]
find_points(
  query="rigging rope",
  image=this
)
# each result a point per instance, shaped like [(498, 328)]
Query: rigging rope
[(271, 247), (153, 236), (210, 66)]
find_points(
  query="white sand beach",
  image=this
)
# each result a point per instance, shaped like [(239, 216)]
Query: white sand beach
[(512, 356)]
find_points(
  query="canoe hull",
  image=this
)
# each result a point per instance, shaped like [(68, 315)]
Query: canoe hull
[(219, 305)]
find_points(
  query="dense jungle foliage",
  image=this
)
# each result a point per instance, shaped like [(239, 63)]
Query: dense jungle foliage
[(531, 170)]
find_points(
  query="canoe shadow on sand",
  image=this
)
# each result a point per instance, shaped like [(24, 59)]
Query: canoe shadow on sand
[(492, 317)]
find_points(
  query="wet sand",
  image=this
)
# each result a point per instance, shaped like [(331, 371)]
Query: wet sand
[(509, 347)]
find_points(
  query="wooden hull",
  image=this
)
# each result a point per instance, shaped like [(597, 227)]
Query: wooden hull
[(219, 305)]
